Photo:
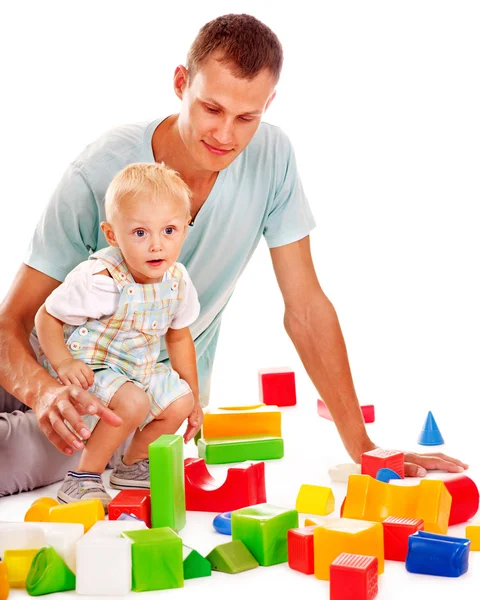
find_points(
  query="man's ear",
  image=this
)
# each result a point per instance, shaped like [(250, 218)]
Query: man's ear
[(270, 100), (180, 81), (109, 233)]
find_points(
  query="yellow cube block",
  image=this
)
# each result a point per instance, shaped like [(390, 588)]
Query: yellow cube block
[(18, 563), (334, 536), (315, 500), (232, 421), (40, 510), (472, 532), (374, 500), (86, 512)]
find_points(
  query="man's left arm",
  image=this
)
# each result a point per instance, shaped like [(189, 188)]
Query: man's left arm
[(312, 324)]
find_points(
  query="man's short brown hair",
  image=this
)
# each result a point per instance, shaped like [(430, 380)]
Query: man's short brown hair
[(243, 42)]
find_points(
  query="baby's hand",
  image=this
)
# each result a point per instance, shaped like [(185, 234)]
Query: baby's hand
[(76, 372), (195, 421)]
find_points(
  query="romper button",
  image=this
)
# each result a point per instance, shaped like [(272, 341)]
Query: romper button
[(83, 331), (130, 291), (154, 325), (174, 285), (122, 276), (74, 346)]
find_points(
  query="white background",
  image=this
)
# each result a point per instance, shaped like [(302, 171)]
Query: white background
[(381, 102)]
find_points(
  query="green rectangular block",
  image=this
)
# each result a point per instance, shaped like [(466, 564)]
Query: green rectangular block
[(167, 484), (238, 449), (157, 559)]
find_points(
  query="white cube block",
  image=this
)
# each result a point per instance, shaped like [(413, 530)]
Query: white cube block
[(64, 537), (104, 559), (20, 536)]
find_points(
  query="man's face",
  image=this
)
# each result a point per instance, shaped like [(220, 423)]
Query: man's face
[(220, 113)]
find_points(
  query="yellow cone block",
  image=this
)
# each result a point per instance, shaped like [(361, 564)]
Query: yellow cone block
[(18, 563), (40, 510), (232, 421), (374, 500), (86, 512), (315, 500), (472, 532), (334, 536)]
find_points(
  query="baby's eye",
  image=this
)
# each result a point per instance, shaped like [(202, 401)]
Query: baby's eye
[(169, 230), (140, 232)]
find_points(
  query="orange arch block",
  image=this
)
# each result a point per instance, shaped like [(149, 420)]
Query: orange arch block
[(373, 500), (232, 421)]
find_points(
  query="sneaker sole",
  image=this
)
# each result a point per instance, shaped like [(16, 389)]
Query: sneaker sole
[(64, 499), (128, 484)]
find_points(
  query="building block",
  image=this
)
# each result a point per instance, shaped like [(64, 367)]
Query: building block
[(472, 532), (128, 517), (315, 500), (40, 509), (263, 529), (239, 449), (194, 564), (342, 472), (386, 475), (373, 500), (49, 574), (133, 502), (430, 434), (4, 585), (433, 554), (239, 421), (167, 482), (368, 412), (63, 538), (223, 523), (465, 499), (331, 537), (277, 386), (232, 557), (157, 559), (396, 531), (86, 512), (354, 576), (244, 486), (20, 536), (300, 549), (18, 564), (104, 559), (377, 459)]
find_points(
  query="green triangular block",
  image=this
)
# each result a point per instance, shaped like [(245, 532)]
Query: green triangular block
[(194, 564), (49, 573), (232, 557)]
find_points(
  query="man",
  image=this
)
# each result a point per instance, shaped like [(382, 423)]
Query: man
[(243, 177)]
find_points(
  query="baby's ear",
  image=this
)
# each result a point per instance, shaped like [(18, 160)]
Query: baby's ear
[(108, 233)]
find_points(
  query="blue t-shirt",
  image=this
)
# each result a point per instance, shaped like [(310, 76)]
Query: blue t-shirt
[(260, 193)]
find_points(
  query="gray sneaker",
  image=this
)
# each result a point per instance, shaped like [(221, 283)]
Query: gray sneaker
[(86, 486), (126, 477)]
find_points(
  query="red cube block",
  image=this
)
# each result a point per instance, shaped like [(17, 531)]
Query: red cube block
[(353, 577), (300, 549), (396, 531), (383, 459), (277, 387), (134, 502)]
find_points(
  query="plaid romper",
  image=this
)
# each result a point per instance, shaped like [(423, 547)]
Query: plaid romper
[(125, 346)]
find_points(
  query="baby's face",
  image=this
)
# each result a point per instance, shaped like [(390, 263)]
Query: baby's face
[(150, 234)]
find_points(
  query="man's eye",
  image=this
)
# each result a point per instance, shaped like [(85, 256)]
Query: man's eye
[(211, 110), (140, 232), (169, 230)]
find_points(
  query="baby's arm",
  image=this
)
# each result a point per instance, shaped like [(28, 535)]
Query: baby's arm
[(50, 335)]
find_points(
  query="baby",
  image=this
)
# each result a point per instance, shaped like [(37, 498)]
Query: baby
[(102, 330)]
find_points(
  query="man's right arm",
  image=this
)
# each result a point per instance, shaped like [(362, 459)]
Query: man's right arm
[(27, 380)]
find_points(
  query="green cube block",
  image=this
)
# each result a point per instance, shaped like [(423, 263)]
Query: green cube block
[(194, 564), (157, 559), (263, 529), (238, 449), (232, 557), (167, 484)]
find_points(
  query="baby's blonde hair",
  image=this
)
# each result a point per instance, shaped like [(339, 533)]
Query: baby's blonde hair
[(156, 178)]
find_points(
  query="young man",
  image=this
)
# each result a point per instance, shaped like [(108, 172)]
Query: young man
[(244, 181)]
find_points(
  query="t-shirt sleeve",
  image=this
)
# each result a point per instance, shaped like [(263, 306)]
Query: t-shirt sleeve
[(83, 295), (290, 218), (68, 229), (189, 308)]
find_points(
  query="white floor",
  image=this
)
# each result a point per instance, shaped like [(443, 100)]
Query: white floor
[(311, 446)]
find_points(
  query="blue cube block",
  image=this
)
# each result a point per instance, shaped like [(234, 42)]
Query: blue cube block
[(434, 554)]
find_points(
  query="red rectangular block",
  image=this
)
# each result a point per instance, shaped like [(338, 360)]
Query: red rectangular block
[(300, 549), (277, 387), (383, 459), (396, 531), (353, 576), (134, 502)]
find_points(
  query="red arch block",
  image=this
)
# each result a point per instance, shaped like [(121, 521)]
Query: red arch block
[(244, 486)]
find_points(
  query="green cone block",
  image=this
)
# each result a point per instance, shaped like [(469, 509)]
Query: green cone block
[(49, 574), (194, 564), (263, 529), (167, 485), (232, 557), (238, 449), (157, 559)]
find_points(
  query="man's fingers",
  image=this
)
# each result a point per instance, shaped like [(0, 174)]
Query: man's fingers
[(107, 415), (439, 462), (64, 432), (70, 414), (413, 470), (447, 458)]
